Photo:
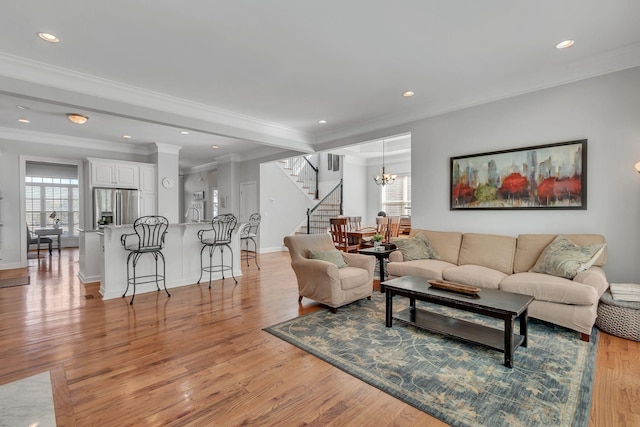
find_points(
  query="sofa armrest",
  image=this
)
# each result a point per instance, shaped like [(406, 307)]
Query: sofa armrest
[(396, 256), (317, 279), (594, 277), (360, 261)]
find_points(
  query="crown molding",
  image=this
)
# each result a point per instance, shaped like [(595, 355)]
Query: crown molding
[(35, 72), (20, 135), (159, 147)]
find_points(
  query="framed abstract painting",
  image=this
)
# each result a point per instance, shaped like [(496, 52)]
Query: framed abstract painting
[(552, 176)]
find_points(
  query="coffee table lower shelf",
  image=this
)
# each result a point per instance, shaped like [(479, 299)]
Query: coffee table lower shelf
[(457, 328)]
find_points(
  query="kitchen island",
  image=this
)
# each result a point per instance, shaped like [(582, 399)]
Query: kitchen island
[(181, 253)]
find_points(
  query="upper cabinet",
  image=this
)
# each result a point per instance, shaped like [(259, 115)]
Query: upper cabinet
[(106, 173)]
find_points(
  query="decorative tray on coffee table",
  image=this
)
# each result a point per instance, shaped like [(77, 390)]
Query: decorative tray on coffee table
[(454, 287)]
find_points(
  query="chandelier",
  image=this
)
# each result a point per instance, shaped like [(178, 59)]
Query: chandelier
[(384, 178)]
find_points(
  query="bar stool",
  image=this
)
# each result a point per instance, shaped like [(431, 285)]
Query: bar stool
[(218, 236), (147, 239), (249, 233)]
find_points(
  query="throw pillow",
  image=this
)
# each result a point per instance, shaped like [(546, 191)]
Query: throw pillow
[(411, 248), (432, 252), (333, 256), (563, 258)]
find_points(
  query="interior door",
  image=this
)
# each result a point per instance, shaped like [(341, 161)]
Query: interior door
[(248, 200)]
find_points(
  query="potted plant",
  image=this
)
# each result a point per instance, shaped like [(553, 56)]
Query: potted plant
[(56, 220), (377, 240)]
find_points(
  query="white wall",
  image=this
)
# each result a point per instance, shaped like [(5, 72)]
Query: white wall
[(282, 205), (605, 110), (354, 181)]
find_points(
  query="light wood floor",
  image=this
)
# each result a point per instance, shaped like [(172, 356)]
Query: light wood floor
[(201, 358)]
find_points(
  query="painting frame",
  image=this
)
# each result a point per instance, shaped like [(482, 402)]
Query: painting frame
[(550, 176)]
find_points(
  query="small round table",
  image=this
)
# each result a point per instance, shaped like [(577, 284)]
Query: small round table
[(380, 255), (619, 318)]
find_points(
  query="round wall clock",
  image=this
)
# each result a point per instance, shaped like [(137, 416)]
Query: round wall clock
[(167, 182)]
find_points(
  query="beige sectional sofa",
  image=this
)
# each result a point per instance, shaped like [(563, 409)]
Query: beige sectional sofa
[(503, 262)]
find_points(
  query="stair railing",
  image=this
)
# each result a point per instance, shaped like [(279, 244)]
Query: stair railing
[(305, 171), (318, 216)]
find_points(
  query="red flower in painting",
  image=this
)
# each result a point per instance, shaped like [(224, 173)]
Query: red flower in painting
[(461, 190)]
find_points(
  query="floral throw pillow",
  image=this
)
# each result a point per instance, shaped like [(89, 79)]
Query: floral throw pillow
[(563, 258), (412, 248), (333, 256), (432, 252)]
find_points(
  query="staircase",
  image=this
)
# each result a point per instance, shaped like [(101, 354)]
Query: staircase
[(303, 173), (318, 216)]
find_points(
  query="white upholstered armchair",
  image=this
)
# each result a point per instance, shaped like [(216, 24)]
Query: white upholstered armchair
[(323, 281)]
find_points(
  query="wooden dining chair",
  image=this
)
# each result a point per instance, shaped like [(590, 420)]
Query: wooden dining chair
[(340, 237), (382, 227), (394, 226)]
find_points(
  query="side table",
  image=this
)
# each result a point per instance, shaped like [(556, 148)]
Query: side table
[(380, 256)]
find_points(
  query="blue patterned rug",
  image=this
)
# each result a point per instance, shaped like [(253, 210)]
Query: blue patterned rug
[(459, 383)]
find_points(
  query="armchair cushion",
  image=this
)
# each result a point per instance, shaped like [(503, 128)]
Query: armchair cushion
[(332, 255)]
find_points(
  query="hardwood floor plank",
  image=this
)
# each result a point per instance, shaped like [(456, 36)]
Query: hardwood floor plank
[(201, 357)]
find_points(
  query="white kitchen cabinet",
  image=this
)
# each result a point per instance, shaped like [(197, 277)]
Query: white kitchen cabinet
[(148, 179), (147, 204), (114, 174)]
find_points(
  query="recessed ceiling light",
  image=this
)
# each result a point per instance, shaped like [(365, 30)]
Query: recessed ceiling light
[(48, 37), (565, 44), (215, 147), (23, 120), (322, 122), (78, 119), (22, 107), (184, 132), (126, 136), (408, 94)]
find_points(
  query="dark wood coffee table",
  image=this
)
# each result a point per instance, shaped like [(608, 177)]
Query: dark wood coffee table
[(489, 302)]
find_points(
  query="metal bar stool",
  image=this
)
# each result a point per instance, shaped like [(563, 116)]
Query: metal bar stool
[(217, 237), (249, 234), (147, 239)]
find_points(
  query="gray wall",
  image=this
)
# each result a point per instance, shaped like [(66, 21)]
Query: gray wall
[(605, 110)]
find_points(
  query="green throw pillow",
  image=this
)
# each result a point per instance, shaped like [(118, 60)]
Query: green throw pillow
[(412, 248), (563, 258), (432, 252), (333, 256)]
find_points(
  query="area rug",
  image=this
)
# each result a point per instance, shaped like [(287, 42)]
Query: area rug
[(459, 383)]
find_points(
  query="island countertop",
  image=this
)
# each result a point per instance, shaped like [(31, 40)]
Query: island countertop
[(181, 252)]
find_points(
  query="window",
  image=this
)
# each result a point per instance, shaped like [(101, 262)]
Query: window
[(396, 198), (44, 195)]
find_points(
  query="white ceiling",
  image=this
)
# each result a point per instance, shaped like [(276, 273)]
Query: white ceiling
[(254, 77)]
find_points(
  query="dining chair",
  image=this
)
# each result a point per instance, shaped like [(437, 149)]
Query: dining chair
[(382, 227), (340, 236), (394, 226), (31, 240)]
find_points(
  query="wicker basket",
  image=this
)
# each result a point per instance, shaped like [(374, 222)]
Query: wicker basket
[(619, 318)]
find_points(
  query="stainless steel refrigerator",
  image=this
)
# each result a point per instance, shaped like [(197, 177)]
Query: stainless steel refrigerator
[(115, 206)]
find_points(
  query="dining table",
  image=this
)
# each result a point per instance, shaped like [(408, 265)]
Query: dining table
[(359, 236)]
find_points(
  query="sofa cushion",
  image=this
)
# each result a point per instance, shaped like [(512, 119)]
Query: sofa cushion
[(445, 243), (412, 248), (332, 255), (474, 275), (530, 246), (429, 268), (352, 277), (544, 287), (563, 258), (488, 250)]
